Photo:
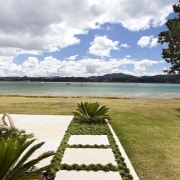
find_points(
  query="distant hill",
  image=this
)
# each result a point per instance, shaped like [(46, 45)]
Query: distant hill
[(119, 77), (115, 77)]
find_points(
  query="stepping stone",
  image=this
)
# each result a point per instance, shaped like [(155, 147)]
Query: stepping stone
[(87, 175), (88, 156), (88, 140)]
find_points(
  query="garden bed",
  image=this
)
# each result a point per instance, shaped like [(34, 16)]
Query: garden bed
[(77, 128)]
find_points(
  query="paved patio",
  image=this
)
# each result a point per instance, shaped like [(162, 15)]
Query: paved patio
[(47, 128), (51, 130)]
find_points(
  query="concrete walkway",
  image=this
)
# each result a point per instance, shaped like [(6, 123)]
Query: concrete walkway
[(88, 156), (51, 130), (47, 128)]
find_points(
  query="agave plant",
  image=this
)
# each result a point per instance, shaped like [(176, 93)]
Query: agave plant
[(91, 112), (15, 152)]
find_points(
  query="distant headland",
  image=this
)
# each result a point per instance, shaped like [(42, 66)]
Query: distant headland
[(115, 77)]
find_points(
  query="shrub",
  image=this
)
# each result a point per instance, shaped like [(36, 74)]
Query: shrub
[(91, 113), (15, 154)]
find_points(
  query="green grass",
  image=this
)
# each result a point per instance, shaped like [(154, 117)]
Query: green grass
[(148, 129), (150, 132)]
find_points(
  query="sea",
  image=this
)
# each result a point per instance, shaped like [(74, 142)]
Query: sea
[(78, 89)]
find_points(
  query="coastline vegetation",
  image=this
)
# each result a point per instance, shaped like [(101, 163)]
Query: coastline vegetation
[(149, 129), (114, 77)]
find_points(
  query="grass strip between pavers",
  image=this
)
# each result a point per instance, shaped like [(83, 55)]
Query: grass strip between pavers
[(79, 128), (89, 146)]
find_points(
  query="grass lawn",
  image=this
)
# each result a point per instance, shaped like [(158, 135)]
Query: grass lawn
[(149, 129)]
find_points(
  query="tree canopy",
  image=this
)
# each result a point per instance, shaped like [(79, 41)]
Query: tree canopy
[(171, 38)]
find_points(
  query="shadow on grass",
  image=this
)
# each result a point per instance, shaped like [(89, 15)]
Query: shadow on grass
[(178, 110)]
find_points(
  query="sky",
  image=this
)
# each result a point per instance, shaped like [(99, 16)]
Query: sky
[(82, 38)]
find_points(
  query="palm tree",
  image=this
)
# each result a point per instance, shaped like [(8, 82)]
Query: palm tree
[(91, 112), (15, 152)]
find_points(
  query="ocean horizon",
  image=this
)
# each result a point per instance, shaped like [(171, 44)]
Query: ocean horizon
[(85, 89)]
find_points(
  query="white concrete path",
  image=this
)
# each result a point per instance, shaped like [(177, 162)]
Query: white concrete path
[(88, 140), (87, 175), (51, 130), (47, 128), (88, 156)]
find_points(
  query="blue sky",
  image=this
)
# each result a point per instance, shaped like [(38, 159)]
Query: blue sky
[(82, 38)]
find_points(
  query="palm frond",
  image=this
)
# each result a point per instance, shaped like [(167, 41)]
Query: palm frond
[(15, 152), (19, 166), (12, 149), (91, 112), (25, 167)]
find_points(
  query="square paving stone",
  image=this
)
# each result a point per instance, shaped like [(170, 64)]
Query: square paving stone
[(88, 156), (87, 175), (88, 140)]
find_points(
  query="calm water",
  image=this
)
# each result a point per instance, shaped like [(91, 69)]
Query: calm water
[(132, 90)]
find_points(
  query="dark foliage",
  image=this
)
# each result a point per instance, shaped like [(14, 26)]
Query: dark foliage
[(115, 77), (171, 37)]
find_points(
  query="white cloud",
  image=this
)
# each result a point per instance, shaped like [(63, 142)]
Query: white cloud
[(154, 42), (72, 58), (8, 51), (35, 27), (128, 56), (147, 41), (138, 15), (50, 66), (108, 28), (144, 64), (48, 25), (102, 46), (124, 45)]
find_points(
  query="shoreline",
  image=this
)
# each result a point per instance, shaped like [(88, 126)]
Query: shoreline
[(88, 97)]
